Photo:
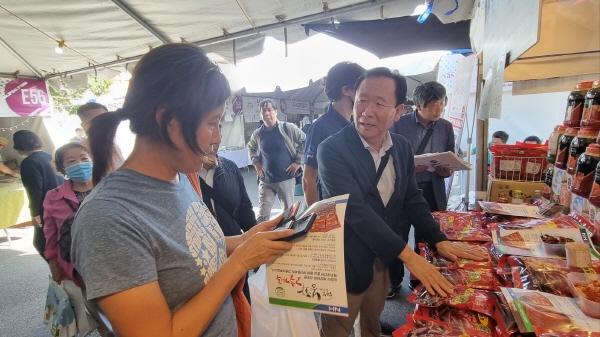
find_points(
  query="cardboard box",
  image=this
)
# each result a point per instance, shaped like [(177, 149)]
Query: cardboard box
[(497, 187)]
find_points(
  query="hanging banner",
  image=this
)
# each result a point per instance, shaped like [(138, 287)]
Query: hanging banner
[(23, 97), (456, 73)]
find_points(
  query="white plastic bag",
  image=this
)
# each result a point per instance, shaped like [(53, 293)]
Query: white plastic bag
[(274, 321)]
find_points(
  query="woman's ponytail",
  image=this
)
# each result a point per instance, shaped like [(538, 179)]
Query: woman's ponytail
[(101, 137)]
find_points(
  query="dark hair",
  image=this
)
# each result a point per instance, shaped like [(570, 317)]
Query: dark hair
[(340, 75), (535, 139), (399, 80), (83, 110), (178, 78), (502, 135), (264, 102), (60, 153), (428, 92), (25, 140)]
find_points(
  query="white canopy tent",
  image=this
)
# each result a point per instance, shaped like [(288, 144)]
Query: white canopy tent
[(105, 34)]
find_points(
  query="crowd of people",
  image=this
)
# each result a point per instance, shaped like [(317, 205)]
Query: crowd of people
[(160, 243)]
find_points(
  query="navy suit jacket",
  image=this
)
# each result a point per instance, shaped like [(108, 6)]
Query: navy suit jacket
[(372, 229)]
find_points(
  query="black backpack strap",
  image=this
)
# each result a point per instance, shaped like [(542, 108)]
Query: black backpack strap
[(382, 165), (424, 141)]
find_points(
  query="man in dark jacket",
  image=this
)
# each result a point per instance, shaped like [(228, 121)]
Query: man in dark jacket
[(377, 169)]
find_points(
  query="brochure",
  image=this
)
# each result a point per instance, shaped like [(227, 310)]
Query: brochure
[(312, 274)]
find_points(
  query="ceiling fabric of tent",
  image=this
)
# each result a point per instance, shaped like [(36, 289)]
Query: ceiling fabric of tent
[(97, 32)]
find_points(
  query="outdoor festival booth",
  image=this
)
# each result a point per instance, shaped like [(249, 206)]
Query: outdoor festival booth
[(541, 276)]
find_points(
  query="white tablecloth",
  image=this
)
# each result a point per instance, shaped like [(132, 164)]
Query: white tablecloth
[(239, 157)]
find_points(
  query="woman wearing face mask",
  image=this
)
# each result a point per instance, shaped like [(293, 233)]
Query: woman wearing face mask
[(149, 251), (38, 177), (72, 160)]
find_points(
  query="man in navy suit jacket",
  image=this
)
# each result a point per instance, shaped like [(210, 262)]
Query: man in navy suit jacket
[(377, 169)]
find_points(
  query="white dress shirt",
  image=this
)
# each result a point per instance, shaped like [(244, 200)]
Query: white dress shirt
[(386, 183)]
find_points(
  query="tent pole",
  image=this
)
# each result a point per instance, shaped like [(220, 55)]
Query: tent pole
[(482, 134), (244, 33), (138, 18), (20, 58)]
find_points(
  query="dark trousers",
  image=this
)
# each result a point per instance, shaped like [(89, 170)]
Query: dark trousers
[(427, 188), (39, 240)]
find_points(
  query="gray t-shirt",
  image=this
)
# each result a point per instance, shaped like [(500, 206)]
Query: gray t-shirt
[(134, 229)]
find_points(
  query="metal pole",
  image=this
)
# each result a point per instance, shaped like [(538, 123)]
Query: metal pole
[(137, 17), (21, 58), (243, 33)]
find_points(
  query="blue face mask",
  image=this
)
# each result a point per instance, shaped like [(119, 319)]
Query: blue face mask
[(80, 172)]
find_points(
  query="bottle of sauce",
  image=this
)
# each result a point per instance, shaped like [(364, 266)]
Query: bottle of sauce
[(591, 107), (562, 152), (575, 104), (594, 197), (553, 142), (547, 191), (585, 137), (585, 171)]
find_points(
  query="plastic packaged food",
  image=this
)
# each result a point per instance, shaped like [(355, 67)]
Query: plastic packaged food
[(578, 254), (426, 252), (586, 289), (476, 323), (591, 107), (421, 326), (543, 274), (585, 170), (585, 137), (477, 300), (479, 278), (562, 152), (463, 226), (575, 103)]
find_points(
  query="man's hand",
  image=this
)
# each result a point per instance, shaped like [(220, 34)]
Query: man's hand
[(259, 170), (442, 171), (434, 282), (421, 168), (292, 169), (453, 251)]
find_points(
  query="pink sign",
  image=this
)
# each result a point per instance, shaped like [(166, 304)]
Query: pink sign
[(26, 97)]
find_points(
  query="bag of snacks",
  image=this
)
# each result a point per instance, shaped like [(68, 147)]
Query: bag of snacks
[(463, 226), (472, 321), (439, 261), (477, 300)]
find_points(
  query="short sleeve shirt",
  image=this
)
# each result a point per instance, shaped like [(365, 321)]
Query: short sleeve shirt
[(328, 124), (134, 229)]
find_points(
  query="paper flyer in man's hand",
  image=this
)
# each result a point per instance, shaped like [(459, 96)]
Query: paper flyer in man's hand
[(312, 274)]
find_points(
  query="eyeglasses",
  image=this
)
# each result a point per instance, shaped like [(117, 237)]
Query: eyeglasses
[(378, 106)]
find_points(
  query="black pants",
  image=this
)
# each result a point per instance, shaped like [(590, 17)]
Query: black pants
[(39, 240), (427, 188)]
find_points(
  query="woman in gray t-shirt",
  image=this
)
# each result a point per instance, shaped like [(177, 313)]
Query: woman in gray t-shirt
[(147, 248)]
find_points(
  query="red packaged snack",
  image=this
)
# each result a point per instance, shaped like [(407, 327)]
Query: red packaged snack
[(472, 321), (562, 221), (479, 278), (477, 300), (418, 326), (463, 226), (506, 325), (439, 261), (543, 274)]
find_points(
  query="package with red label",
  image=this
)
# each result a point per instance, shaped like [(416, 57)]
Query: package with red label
[(479, 278), (463, 226), (464, 319), (562, 221), (419, 326), (426, 252), (519, 162), (506, 325), (477, 300), (540, 312), (543, 274)]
